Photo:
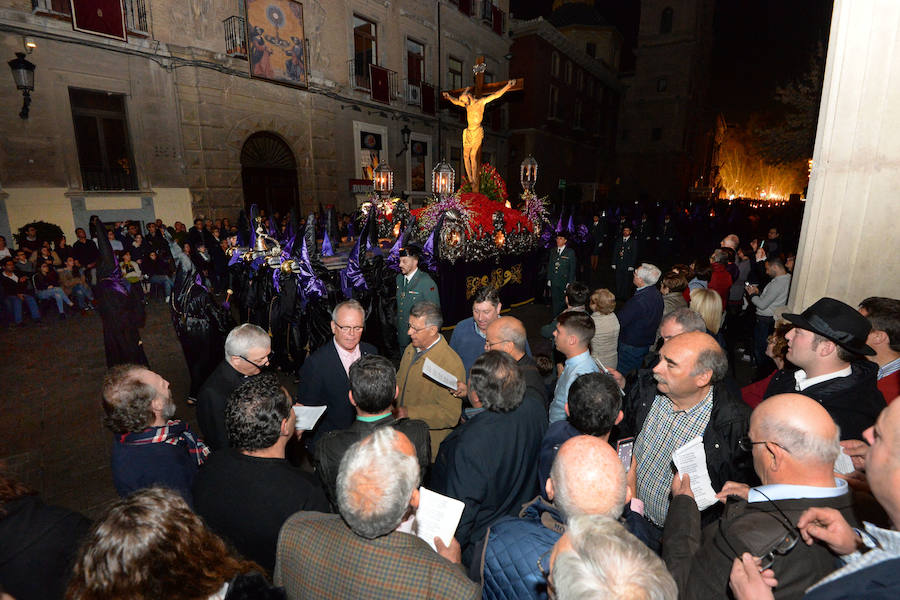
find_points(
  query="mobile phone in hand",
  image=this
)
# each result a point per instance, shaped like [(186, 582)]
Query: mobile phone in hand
[(624, 449)]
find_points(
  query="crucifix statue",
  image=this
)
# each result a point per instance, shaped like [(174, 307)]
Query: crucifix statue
[(474, 103)]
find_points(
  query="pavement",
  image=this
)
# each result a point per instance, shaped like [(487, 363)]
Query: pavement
[(52, 435)]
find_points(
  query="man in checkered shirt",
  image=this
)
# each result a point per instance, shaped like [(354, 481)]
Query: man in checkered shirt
[(689, 401)]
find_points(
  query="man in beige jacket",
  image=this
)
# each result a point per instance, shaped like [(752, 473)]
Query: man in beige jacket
[(421, 397)]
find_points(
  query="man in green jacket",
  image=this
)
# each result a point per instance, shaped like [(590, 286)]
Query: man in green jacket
[(560, 272), (413, 285)]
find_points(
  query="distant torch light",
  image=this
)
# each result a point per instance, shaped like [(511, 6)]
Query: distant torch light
[(528, 174)]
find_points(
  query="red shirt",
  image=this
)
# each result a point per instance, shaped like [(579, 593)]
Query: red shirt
[(890, 386), (720, 282)]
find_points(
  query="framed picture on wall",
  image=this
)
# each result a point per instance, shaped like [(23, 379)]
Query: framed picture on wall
[(277, 46)]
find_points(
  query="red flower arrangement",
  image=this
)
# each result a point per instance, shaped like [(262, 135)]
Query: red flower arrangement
[(490, 184)]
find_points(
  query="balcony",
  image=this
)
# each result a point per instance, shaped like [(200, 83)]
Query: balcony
[(135, 13), (235, 37), (99, 179), (413, 93), (361, 78), (136, 17), (60, 8)]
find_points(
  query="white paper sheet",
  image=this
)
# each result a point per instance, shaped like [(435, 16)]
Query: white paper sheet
[(437, 516), (843, 464), (308, 416), (439, 375), (690, 459)]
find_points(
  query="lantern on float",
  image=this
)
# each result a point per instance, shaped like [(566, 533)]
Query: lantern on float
[(383, 180), (442, 177), (528, 174)]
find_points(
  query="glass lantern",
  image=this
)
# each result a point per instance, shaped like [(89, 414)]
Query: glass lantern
[(442, 177), (528, 174), (383, 180)]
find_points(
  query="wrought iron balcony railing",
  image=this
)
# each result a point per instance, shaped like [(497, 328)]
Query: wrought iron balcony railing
[(235, 37)]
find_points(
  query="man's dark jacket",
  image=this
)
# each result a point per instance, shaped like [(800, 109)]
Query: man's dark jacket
[(639, 318), (854, 402), (625, 253), (490, 463), (332, 446), (728, 423), (323, 381), (533, 379), (701, 562), (211, 404), (881, 581)]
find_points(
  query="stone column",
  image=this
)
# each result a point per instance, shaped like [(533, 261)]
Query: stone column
[(851, 227)]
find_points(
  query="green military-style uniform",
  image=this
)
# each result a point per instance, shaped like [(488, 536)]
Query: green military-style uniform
[(420, 287), (560, 273)]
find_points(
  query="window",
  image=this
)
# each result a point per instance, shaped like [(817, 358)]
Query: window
[(591, 49), (415, 63), (553, 104), (554, 64), (661, 84), (101, 136), (579, 80), (656, 134), (419, 168), (665, 21), (568, 71), (454, 73), (577, 119), (365, 51), (58, 7), (457, 162)]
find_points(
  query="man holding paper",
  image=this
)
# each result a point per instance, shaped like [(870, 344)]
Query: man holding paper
[(794, 443), (690, 400), (362, 553), (421, 396)]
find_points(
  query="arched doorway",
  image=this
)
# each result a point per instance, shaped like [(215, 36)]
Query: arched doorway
[(269, 174)]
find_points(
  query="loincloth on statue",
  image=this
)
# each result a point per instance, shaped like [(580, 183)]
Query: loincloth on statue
[(472, 138)]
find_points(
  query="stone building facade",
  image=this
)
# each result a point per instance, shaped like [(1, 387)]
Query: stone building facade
[(566, 117), (187, 132), (666, 133)]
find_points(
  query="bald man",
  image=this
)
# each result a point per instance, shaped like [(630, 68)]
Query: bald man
[(690, 400), (794, 443), (587, 479), (507, 334), (871, 562)]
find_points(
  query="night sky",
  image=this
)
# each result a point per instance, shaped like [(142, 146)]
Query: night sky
[(758, 45)]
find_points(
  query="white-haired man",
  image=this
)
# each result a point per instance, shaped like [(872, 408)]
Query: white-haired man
[(598, 558), (247, 351), (325, 376), (360, 553), (639, 319)]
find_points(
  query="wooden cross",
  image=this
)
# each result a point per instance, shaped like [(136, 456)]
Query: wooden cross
[(483, 89)]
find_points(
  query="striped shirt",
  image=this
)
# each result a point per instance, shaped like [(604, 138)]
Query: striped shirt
[(665, 430), (889, 369)]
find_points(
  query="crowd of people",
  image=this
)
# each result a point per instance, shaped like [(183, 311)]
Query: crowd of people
[(564, 458), (65, 276)]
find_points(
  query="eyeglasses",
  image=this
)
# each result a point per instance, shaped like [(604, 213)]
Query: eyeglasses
[(746, 444), (488, 345), (417, 329), (781, 547), (262, 361), (349, 328)]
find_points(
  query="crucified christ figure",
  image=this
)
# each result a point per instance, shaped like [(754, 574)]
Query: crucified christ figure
[(474, 134)]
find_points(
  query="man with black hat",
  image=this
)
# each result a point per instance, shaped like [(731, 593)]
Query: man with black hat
[(560, 271), (828, 344), (413, 285)]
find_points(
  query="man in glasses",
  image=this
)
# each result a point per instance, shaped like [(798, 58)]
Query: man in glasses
[(794, 443), (247, 351), (325, 376), (871, 558)]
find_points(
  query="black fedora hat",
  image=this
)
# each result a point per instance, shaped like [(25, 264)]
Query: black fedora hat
[(839, 322)]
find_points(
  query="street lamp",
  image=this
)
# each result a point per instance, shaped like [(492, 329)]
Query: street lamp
[(404, 136), (442, 179), (383, 180), (528, 174), (23, 74)]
